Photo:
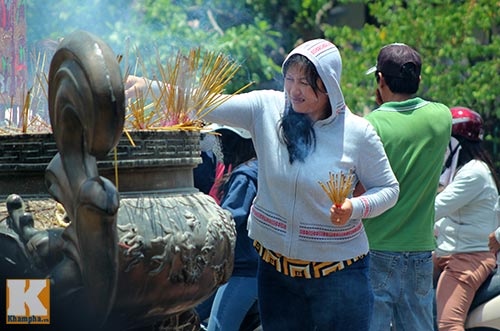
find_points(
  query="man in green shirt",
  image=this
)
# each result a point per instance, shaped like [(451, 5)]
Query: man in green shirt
[(415, 134)]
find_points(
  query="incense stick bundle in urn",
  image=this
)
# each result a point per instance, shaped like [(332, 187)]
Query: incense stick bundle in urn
[(193, 85), (338, 187)]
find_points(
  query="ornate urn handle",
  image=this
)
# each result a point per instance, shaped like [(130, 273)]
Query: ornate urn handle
[(87, 109)]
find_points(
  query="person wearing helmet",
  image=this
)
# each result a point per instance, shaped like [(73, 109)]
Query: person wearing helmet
[(465, 214), (415, 133), (234, 189)]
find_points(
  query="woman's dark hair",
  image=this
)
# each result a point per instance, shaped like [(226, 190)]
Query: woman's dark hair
[(296, 129), (236, 150), (474, 150)]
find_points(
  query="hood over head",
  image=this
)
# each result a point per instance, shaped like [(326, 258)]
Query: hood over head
[(326, 58)]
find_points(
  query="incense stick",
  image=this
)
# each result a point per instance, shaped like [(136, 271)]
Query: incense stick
[(338, 187)]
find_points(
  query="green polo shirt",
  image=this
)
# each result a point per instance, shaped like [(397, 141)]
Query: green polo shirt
[(415, 134)]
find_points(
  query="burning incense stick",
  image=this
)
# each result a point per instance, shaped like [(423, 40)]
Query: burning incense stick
[(25, 112), (193, 85), (338, 187)]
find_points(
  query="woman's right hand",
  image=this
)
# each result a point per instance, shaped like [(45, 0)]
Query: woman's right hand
[(134, 86)]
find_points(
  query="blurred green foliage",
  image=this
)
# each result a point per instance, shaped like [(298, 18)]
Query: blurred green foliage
[(459, 42)]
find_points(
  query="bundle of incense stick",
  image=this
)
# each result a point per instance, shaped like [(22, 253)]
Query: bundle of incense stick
[(338, 187), (193, 86), (27, 117)]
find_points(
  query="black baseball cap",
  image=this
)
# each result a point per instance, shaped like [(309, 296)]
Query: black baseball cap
[(398, 60)]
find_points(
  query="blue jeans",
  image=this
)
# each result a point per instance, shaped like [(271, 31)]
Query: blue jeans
[(402, 284), (341, 301), (231, 303)]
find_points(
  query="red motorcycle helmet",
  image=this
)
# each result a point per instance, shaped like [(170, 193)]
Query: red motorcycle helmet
[(466, 123)]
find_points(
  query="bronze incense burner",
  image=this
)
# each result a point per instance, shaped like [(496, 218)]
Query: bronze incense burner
[(143, 247)]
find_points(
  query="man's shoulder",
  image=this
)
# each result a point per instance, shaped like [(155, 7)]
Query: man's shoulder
[(440, 112), (438, 109), (438, 105)]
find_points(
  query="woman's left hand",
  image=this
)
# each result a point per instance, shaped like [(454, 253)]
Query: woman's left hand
[(493, 244), (340, 215)]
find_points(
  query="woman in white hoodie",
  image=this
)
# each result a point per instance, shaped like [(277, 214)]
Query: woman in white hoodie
[(313, 271), (466, 215)]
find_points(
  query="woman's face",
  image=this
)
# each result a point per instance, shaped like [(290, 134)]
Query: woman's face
[(303, 98)]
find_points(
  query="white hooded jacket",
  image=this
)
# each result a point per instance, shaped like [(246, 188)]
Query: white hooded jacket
[(291, 213)]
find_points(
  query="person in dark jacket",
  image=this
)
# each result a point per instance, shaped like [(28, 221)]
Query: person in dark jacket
[(204, 173), (235, 189)]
